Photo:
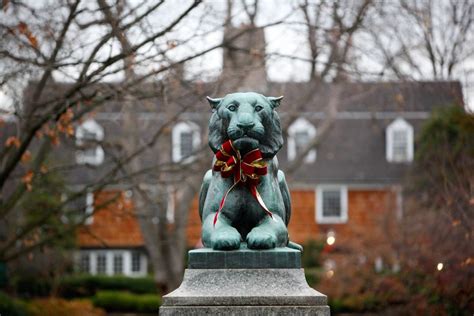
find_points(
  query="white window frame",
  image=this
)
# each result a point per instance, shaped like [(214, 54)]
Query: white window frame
[(399, 124), (88, 211), (184, 127), (90, 126), (107, 262), (320, 218), (298, 125), (109, 254), (89, 208), (80, 255)]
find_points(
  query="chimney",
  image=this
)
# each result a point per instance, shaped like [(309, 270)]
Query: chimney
[(244, 59)]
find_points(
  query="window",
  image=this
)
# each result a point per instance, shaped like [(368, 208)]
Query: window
[(399, 141), (185, 140), (89, 208), (84, 263), (331, 206), (101, 263), (118, 263), (78, 208), (300, 134), (88, 136), (136, 262), (186, 144)]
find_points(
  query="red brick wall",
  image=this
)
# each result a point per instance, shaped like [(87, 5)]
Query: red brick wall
[(114, 223), (369, 211)]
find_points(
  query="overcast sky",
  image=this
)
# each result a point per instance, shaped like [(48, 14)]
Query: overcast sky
[(280, 39)]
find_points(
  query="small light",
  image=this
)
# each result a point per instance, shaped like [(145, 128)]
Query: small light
[(331, 238), (329, 274), (439, 266)]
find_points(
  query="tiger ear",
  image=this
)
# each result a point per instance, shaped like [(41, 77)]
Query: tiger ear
[(214, 102), (275, 101)]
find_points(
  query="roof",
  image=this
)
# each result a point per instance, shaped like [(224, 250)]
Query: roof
[(353, 151)]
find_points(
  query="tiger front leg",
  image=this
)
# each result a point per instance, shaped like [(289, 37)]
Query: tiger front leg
[(222, 236), (270, 233)]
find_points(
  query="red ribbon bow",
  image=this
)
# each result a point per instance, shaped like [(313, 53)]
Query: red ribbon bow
[(246, 170)]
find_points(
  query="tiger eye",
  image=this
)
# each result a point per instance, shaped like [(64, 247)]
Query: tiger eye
[(258, 108), (232, 107)]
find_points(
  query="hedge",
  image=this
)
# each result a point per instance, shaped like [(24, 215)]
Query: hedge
[(29, 287), (12, 307), (115, 301), (89, 285)]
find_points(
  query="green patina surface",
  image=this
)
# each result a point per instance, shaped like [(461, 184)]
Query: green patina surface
[(251, 122), (244, 258)]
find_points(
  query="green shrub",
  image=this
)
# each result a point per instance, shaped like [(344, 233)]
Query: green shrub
[(29, 286), (88, 285), (312, 253), (313, 276), (12, 307), (113, 301)]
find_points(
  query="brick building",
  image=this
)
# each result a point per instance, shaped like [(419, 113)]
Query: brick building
[(349, 188)]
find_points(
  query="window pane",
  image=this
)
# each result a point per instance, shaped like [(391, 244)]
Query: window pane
[(90, 152), (90, 135), (186, 144), (101, 264), (118, 264), (84, 263), (332, 203), (400, 145), (136, 262), (301, 140)]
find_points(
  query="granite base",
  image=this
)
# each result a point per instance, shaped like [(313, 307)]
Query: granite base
[(248, 285)]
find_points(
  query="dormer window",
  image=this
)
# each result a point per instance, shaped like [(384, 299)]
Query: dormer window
[(300, 134), (185, 141), (399, 141), (88, 137)]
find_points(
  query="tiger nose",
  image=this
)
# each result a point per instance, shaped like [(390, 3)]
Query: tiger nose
[(245, 125)]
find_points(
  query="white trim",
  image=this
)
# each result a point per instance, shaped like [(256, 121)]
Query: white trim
[(179, 128), (342, 115), (95, 160), (300, 125), (365, 115), (320, 218), (399, 201), (399, 125), (90, 126), (170, 207), (89, 208)]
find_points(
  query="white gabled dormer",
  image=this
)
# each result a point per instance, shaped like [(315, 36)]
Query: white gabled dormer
[(88, 136), (185, 140), (399, 141), (300, 133)]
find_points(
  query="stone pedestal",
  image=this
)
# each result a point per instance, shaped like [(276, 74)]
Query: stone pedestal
[(244, 282)]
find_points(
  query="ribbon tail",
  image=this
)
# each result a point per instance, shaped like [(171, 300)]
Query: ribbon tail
[(258, 197), (222, 203)]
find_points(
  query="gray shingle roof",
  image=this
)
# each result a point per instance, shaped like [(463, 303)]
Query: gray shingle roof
[(353, 151)]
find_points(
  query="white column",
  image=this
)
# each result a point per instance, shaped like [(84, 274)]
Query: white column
[(109, 269), (127, 263), (143, 264), (93, 262)]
